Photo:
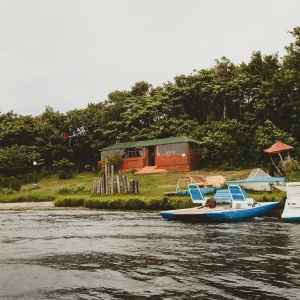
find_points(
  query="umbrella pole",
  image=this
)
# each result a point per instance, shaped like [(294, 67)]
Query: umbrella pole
[(278, 170)]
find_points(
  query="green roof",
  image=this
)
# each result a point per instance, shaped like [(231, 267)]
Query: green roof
[(171, 140)]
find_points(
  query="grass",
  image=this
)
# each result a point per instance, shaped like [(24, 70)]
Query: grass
[(77, 191)]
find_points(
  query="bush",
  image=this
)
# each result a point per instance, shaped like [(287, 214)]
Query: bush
[(30, 198), (69, 202), (96, 203), (82, 189), (10, 183), (64, 168), (129, 204), (64, 190), (135, 204), (291, 169), (116, 204), (114, 159)]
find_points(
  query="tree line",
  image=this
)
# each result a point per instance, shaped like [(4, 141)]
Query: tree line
[(235, 111)]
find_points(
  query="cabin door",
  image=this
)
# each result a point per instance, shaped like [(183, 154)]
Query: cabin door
[(151, 156)]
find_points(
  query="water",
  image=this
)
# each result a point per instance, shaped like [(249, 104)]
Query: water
[(81, 254)]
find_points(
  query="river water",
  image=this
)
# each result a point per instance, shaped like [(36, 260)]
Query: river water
[(90, 254)]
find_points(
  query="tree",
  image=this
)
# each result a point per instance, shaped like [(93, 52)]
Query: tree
[(18, 160), (224, 144), (16, 130), (266, 135), (50, 130), (64, 168)]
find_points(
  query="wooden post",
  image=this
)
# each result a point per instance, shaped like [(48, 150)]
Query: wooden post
[(111, 179), (118, 184), (105, 177), (102, 187), (128, 184), (110, 185)]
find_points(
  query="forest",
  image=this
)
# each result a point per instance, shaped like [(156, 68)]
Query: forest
[(235, 111)]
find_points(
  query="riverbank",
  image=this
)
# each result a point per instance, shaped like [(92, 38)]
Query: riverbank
[(28, 206), (53, 193)]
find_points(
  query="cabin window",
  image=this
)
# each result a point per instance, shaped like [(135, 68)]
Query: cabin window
[(171, 149), (108, 152), (194, 148), (133, 152), (126, 153)]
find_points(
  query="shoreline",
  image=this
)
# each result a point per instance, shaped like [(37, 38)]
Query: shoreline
[(28, 205)]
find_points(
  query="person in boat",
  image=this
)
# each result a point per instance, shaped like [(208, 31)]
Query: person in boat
[(210, 203)]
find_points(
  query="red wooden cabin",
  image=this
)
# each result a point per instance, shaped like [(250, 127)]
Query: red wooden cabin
[(172, 154)]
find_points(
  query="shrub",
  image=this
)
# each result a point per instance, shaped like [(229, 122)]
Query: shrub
[(64, 168), (31, 198), (153, 204), (69, 202), (114, 159), (135, 204), (96, 203), (116, 204), (10, 183), (291, 168), (82, 189), (64, 190)]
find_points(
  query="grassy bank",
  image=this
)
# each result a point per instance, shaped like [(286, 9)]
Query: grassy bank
[(77, 191)]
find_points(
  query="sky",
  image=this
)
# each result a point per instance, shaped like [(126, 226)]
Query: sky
[(68, 53)]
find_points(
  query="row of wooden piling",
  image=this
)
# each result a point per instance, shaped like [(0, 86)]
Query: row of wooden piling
[(111, 184)]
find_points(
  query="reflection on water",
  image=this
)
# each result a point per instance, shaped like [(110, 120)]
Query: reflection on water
[(119, 255)]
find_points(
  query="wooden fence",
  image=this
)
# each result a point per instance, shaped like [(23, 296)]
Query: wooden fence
[(111, 184)]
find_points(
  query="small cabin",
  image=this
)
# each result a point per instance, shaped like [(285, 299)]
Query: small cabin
[(171, 154)]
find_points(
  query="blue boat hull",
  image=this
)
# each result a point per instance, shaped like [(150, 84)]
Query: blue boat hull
[(291, 220), (231, 215)]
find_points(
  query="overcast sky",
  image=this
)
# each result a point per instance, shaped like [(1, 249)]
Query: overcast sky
[(68, 53)]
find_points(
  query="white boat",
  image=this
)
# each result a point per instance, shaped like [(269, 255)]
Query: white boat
[(258, 180), (291, 212), (241, 207)]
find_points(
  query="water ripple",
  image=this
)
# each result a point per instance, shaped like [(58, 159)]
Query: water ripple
[(119, 255)]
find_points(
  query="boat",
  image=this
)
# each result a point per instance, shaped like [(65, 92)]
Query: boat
[(208, 185), (239, 207), (291, 211), (258, 180)]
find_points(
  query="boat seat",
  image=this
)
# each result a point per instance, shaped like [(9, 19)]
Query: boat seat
[(237, 193), (223, 195), (196, 193)]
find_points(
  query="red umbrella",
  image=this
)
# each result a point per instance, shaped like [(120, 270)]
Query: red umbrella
[(278, 147)]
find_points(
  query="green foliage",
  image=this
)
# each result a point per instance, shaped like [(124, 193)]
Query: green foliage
[(65, 191), (17, 160), (269, 197), (114, 159), (11, 183), (291, 169), (79, 189), (135, 203), (96, 203), (69, 202), (266, 135), (28, 197), (16, 130), (139, 203), (63, 168), (225, 144)]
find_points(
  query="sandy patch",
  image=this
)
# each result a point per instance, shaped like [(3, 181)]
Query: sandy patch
[(27, 205)]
